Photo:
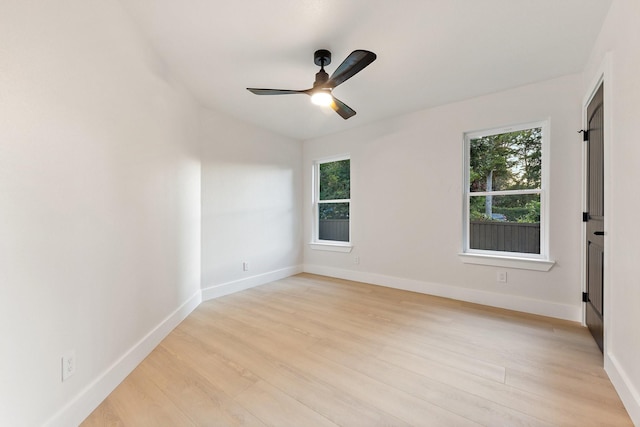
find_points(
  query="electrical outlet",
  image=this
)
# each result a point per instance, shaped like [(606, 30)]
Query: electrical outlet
[(502, 276), (356, 260), (245, 266), (68, 365)]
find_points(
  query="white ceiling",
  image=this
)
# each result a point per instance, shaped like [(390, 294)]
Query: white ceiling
[(430, 52)]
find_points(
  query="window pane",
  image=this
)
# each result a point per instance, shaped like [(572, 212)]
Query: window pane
[(505, 223), (333, 221), (506, 161), (334, 180)]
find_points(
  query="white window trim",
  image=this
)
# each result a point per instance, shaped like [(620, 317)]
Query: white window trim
[(512, 261), (331, 246), (316, 243), (539, 262)]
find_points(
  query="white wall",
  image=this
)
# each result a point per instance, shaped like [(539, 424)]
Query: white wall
[(99, 205), (407, 201), (620, 37), (251, 205)]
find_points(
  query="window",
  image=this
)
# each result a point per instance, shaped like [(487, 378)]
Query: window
[(505, 192), (332, 198)]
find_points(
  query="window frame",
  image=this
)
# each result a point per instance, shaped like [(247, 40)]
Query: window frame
[(533, 261), (316, 242)]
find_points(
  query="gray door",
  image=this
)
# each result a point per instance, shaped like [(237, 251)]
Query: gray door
[(595, 217)]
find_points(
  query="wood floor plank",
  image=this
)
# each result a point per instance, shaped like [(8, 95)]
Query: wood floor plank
[(403, 405), (310, 350), (558, 410), (276, 408), (198, 397), (446, 396), (225, 373), (139, 402), (546, 385), (104, 416), (336, 404)]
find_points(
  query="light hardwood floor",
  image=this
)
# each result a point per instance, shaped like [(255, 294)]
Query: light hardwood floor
[(314, 351)]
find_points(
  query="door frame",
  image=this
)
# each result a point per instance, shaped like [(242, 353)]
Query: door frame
[(602, 76)]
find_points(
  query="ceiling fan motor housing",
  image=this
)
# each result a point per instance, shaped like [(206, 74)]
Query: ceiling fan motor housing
[(322, 57), (321, 78)]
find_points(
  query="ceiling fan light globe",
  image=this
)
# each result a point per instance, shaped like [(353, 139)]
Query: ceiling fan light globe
[(324, 99)]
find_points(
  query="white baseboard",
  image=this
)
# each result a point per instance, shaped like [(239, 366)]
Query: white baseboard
[(222, 289), (628, 393), (91, 396), (510, 302)]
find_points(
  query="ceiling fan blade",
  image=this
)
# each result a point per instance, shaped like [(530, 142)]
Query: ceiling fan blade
[(343, 109), (275, 91), (355, 62)]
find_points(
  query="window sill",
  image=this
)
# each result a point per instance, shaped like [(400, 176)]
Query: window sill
[(509, 262), (332, 247)]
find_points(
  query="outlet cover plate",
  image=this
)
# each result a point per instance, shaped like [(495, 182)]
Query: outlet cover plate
[(68, 364), (502, 276)]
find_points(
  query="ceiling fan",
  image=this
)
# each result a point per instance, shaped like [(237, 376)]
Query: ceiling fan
[(323, 86)]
